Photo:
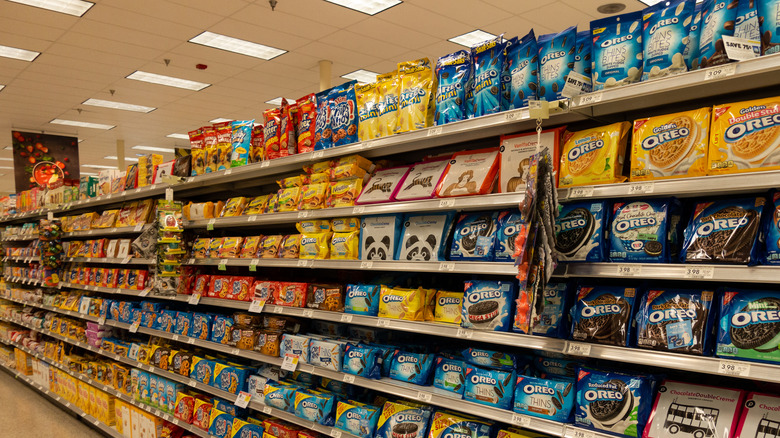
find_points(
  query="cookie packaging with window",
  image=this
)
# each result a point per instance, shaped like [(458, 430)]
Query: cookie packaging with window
[(603, 315), (749, 327), (676, 320), (399, 419), (617, 50), (556, 60), (647, 232), (474, 237), (580, 231)]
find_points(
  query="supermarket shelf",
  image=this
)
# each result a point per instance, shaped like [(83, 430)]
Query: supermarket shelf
[(118, 291), (19, 238), (465, 203), (32, 214), (22, 259), (23, 280), (494, 268), (116, 261), (664, 271), (108, 231)]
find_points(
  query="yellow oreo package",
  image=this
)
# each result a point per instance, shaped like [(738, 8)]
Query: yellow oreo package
[(344, 193), (745, 137), (670, 146), (290, 246), (361, 162), (288, 199), (345, 224), (315, 246), (345, 246), (313, 196), (594, 156), (368, 111), (415, 106), (448, 307), (401, 303), (313, 226), (387, 91), (430, 303)]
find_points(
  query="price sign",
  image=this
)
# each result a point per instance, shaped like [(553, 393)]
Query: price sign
[(169, 194), (251, 218), (581, 192), (308, 313), (741, 49), (578, 349), (242, 400), (346, 318), (465, 333), (265, 164), (278, 309), (257, 306), (590, 98), (191, 340), (424, 396), (134, 326), (290, 362), (267, 410), (50, 215), (381, 322), (253, 265), (193, 383), (228, 171), (303, 214), (125, 260), (101, 320), (133, 353), (175, 337), (629, 270), (575, 84), (512, 115), (305, 263), (720, 72), (366, 265), (447, 267), (579, 433), (734, 368), (235, 351), (335, 433), (317, 154), (698, 271), (210, 225), (194, 299), (521, 420), (446, 203), (138, 228), (434, 131), (639, 188), (222, 266), (349, 378)]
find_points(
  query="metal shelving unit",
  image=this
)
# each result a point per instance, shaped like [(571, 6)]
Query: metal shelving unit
[(19, 238), (109, 260), (23, 259), (24, 280), (665, 271), (136, 229)]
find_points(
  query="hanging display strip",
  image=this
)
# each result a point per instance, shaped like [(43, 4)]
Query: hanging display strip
[(136, 229), (662, 271), (115, 261)]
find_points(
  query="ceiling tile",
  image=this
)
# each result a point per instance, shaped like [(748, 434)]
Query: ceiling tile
[(519, 7), (140, 21), (560, 13), (378, 28), (469, 12), (282, 21), (415, 17)]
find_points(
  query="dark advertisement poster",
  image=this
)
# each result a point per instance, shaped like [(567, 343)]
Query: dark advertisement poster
[(44, 160)]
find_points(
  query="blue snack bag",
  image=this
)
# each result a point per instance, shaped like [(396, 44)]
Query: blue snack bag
[(666, 27), (361, 360), (580, 231), (675, 320), (506, 77), (489, 387), (362, 299), (747, 24), (771, 227), (357, 418), (323, 138), (241, 139), (617, 50), (487, 305), (582, 59), (316, 406), (641, 231), (474, 237), (401, 420), (545, 398), (556, 60), (770, 26), (448, 425), (343, 117), (488, 58), (280, 395), (509, 225), (522, 61), (384, 356), (561, 369), (470, 96), (749, 327), (717, 20), (489, 359), (411, 367), (548, 314), (603, 315), (450, 374), (691, 53), (453, 73)]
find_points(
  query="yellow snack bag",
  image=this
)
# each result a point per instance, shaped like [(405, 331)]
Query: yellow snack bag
[(288, 199), (215, 245), (430, 303), (233, 207), (448, 307), (257, 205), (415, 106), (347, 171), (344, 193), (745, 137), (269, 247), (594, 156), (322, 166), (401, 303), (201, 247), (313, 226), (315, 246), (231, 247), (387, 90), (313, 196), (251, 244), (670, 146), (290, 246), (321, 177), (345, 224), (344, 246), (293, 181), (368, 111)]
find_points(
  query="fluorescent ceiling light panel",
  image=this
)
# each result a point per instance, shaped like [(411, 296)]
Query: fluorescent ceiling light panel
[(119, 105), (236, 45), (181, 136), (76, 8), (220, 120), (362, 76), (152, 148), (169, 81), (370, 7), (472, 38), (278, 101), (6, 159), (2, 86), (13, 52), (98, 166), (113, 157), (81, 124)]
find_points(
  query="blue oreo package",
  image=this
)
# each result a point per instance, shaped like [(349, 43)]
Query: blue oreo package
[(489, 387), (691, 53), (748, 24), (562, 369), (522, 63), (449, 374), (489, 359), (357, 418), (772, 231), (316, 406), (470, 95), (770, 22), (556, 60), (717, 20), (613, 402), (361, 360), (343, 114), (453, 72), (323, 139), (384, 356), (399, 420), (603, 315), (545, 398), (583, 59), (509, 225), (617, 50), (666, 28), (506, 77), (474, 237), (280, 395), (645, 231), (488, 58), (487, 305), (548, 314), (362, 299), (580, 231), (448, 425), (675, 320), (749, 326), (414, 368)]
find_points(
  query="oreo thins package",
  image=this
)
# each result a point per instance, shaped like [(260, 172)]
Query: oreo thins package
[(550, 399), (641, 231), (424, 237), (510, 224), (749, 325), (487, 305), (760, 416), (556, 60), (613, 402), (602, 315), (449, 374), (617, 50), (679, 321), (772, 231), (666, 28), (474, 238), (724, 231), (379, 237), (489, 387), (694, 410), (410, 367), (399, 420), (579, 231)]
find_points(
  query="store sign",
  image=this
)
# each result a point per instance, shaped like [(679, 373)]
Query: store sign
[(44, 160)]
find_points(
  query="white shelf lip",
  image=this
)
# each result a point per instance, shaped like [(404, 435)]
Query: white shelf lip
[(117, 291), (497, 268), (24, 259), (484, 202), (106, 231), (669, 271), (24, 280), (18, 238), (111, 260)]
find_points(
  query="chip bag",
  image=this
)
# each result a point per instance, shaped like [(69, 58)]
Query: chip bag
[(210, 144), (224, 144), (368, 111), (343, 118), (307, 116), (387, 90), (315, 246), (272, 133), (323, 138), (313, 196), (415, 105), (452, 73), (288, 142)]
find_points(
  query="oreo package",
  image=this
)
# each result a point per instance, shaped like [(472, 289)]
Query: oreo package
[(489, 359), (548, 315), (772, 231), (489, 386), (644, 231), (613, 402), (544, 398), (474, 237), (487, 305), (691, 53), (583, 64), (679, 321), (453, 72), (410, 367), (561, 369), (556, 60), (522, 63), (449, 374), (717, 20), (749, 325), (379, 236), (767, 12), (424, 237), (361, 360), (617, 50), (362, 299), (579, 231), (447, 425), (488, 60), (666, 28), (724, 231), (399, 420), (510, 224), (602, 315), (748, 23)]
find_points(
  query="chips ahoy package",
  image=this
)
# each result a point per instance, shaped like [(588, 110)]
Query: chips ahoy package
[(453, 73), (323, 138), (556, 60), (488, 58), (343, 114), (522, 61)]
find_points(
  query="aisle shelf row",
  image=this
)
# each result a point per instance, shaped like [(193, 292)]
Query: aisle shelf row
[(19, 238), (111, 260), (668, 271), (135, 229), (22, 259), (118, 291), (23, 280)]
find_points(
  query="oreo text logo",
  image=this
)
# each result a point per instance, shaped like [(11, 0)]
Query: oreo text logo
[(447, 367), (708, 228), (613, 41), (577, 151), (743, 319), (354, 415), (671, 315), (476, 379), (538, 389), (309, 404), (603, 394), (752, 13), (404, 358), (353, 293), (408, 418), (570, 224), (662, 23), (390, 105), (602, 309), (392, 299), (510, 230), (308, 240), (446, 92), (520, 66), (456, 435), (553, 55), (443, 301), (484, 295), (473, 229), (629, 224), (654, 141), (353, 353), (739, 130)]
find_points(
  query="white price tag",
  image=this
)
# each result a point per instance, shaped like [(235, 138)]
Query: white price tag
[(590, 98), (175, 421), (346, 318), (629, 270), (305, 263), (521, 420), (90, 232), (145, 292), (191, 340), (578, 349), (290, 362), (335, 433), (734, 368), (740, 49), (358, 209), (465, 333), (256, 306), (579, 433), (308, 313), (252, 218), (434, 131), (446, 203), (222, 265), (83, 414), (242, 400), (367, 144), (698, 271), (169, 194), (265, 164), (235, 351), (720, 72), (278, 309), (302, 214), (174, 337), (511, 115), (101, 320), (134, 326), (424, 396), (581, 192), (317, 154), (50, 215), (366, 265), (228, 171), (381, 322), (193, 383), (138, 228), (349, 378), (447, 266), (639, 188), (267, 410), (67, 405), (194, 299)]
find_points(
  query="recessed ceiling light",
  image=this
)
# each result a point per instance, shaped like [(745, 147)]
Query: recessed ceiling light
[(119, 105), (611, 8), (181, 136), (87, 173), (152, 148), (13, 52), (370, 7), (167, 80), (71, 7), (220, 120), (98, 166), (113, 157), (362, 76), (472, 38), (278, 101), (81, 124), (236, 45)]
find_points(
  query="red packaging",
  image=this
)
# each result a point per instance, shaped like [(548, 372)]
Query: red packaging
[(202, 286), (272, 133), (224, 144), (197, 140), (92, 275), (111, 278), (281, 429), (265, 290), (201, 414), (256, 153), (307, 116), (185, 405), (83, 277), (240, 288), (140, 280), (99, 248), (287, 141), (291, 294), (187, 280), (220, 286)]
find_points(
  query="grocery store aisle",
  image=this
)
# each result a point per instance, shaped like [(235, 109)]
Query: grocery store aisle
[(25, 413)]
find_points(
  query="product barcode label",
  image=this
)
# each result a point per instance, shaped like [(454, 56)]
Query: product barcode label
[(290, 362), (447, 266), (194, 299), (308, 313), (257, 306), (465, 333), (265, 164), (445, 203), (335, 433), (382, 323), (251, 218), (242, 400), (358, 209)]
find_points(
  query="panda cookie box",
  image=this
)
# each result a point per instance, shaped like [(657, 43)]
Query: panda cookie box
[(424, 237)]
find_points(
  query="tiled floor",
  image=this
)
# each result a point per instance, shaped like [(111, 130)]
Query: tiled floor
[(25, 413)]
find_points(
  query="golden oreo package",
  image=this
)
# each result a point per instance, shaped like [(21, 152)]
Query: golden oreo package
[(345, 224), (315, 246), (313, 226), (670, 146), (387, 87), (344, 246), (401, 303), (745, 137), (415, 106), (368, 111), (594, 156), (313, 196)]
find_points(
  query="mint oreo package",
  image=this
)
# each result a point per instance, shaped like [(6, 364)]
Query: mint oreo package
[(449, 374), (675, 320), (474, 237), (580, 231), (603, 314), (645, 231), (749, 327)]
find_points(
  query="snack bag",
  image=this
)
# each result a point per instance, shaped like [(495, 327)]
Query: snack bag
[(269, 247), (288, 142), (290, 246), (345, 246), (745, 136), (666, 27), (257, 150), (368, 111), (272, 133), (198, 156), (617, 50), (307, 116), (313, 196), (344, 193), (522, 62), (691, 52), (770, 41), (388, 90), (556, 60), (469, 173), (343, 119), (594, 156), (415, 103), (210, 144), (288, 199), (323, 138), (224, 144), (582, 59), (488, 58), (717, 21), (452, 73), (241, 140), (315, 246)]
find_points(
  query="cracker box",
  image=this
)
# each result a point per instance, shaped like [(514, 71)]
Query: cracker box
[(745, 137), (594, 156)]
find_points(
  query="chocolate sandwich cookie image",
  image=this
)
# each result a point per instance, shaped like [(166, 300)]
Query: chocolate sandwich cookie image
[(602, 315), (641, 230), (749, 326), (487, 304), (484, 311), (676, 320), (579, 232), (405, 430), (760, 337), (609, 411), (474, 237)]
